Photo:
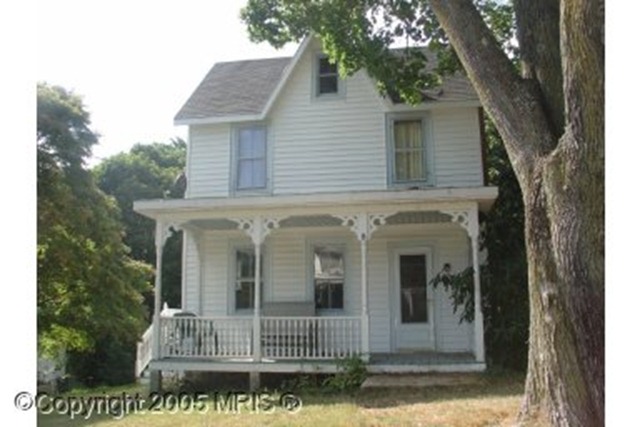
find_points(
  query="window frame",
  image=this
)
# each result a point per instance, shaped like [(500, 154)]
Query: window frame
[(235, 161), (427, 152), (340, 244), (340, 83), (234, 248)]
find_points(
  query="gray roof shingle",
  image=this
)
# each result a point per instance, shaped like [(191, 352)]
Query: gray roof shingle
[(234, 88), (244, 87)]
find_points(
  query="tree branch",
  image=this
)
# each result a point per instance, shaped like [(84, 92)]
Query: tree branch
[(515, 107), (538, 30)]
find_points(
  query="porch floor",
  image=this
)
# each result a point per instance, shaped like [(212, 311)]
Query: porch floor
[(414, 362)]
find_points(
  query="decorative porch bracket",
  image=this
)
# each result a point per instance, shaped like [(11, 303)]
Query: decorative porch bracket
[(364, 225), (468, 219), (257, 228), (163, 231)]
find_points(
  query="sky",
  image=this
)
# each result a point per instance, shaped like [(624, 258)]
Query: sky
[(135, 63)]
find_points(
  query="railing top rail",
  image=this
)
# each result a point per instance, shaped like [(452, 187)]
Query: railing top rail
[(250, 318), (217, 318), (311, 317)]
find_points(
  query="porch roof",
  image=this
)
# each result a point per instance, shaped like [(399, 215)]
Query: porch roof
[(315, 204)]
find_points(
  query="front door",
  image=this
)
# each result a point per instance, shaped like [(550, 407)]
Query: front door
[(413, 314)]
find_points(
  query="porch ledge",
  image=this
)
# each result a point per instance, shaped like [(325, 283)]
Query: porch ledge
[(191, 207)]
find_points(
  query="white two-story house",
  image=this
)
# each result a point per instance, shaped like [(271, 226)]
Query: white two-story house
[(316, 213)]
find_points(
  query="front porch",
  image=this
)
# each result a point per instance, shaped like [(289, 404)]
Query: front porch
[(392, 324)]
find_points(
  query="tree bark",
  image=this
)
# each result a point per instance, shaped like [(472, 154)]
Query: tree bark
[(562, 181)]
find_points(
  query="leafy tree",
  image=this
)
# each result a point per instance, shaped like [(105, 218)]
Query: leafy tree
[(549, 112), (89, 290), (148, 171), (504, 280)]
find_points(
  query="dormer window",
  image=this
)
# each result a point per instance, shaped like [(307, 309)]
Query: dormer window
[(327, 81)]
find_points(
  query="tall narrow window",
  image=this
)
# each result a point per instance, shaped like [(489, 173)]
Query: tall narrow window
[(251, 168), (409, 151), (328, 78), (245, 279), (328, 276)]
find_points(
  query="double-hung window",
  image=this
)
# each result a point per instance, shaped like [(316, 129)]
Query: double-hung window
[(408, 151), (328, 276), (327, 80), (251, 158), (245, 279)]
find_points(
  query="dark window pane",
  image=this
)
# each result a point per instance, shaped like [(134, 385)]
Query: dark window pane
[(326, 67), (329, 295), (413, 288), (336, 296), (328, 84)]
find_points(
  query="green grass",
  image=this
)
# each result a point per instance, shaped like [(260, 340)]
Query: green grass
[(492, 402)]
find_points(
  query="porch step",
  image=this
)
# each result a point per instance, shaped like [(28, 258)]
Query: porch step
[(420, 381)]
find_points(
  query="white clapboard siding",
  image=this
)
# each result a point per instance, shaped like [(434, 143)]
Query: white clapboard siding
[(458, 159), (379, 295), (324, 145), (208, 161), (190, 275), (216, 276)]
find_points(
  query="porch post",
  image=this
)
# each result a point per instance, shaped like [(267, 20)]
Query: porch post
[(162, 233), (477, 297), (363, 225), (257, 348), (257, 228), (468, 219), (365, 293)]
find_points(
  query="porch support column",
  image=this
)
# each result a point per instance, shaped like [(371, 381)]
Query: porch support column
[(162, 233), (363, 225), (257, 228), (469, 221)]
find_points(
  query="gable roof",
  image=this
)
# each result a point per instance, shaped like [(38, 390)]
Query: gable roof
[(245, 90), (234, 88)]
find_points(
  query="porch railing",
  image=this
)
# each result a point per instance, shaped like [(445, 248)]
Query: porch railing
[(143, 351), (284, 337), (310, 337), (207, 337)]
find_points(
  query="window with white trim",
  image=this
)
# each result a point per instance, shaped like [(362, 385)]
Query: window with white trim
[(251, 158), (328, 276), (408, 151), (245, 279)]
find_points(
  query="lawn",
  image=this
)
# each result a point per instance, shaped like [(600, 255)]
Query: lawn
[(494, 401)]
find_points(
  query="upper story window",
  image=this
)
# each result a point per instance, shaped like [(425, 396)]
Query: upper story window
[(250, 166), (328, 276), (326, 78), (409, 151)]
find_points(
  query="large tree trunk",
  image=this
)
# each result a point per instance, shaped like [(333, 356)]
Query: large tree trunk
[(561, 174)]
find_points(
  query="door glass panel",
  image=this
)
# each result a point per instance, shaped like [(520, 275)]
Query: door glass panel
[(413, 288)]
